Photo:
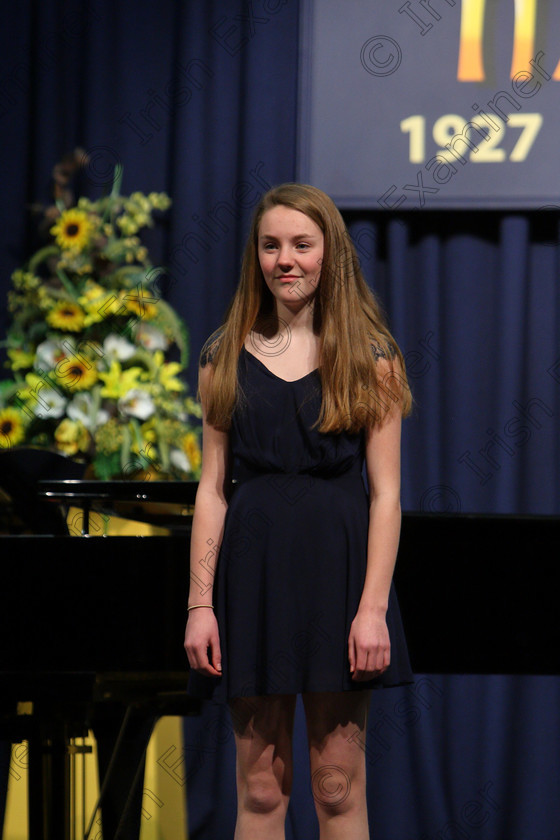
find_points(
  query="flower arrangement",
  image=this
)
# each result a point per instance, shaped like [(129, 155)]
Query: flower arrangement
[(89, 346)]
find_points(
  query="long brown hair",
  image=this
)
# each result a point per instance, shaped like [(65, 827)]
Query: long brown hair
[(358, 391)]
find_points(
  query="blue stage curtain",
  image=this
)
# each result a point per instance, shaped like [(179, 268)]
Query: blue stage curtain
[(200, 100), (474, 303), (183, 95)]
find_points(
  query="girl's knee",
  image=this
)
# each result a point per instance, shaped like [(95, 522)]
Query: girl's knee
[(336, 792), (261, 794)]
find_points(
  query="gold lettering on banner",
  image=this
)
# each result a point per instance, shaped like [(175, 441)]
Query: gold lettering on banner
[(471, 64), (523, 35), (471, 59)]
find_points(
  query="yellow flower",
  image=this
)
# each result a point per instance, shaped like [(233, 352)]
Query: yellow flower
[(160, 201), (73, 230), (146, 311), (44, 300), (109, 437), (67, 316), (140, 200), (85, 268), (148, 432), (93, 291), (76, 374), (142, 219), (168, 379), (12, 429), (127, 224), (190, 447), (102, 306), (71, 436), (119, 382), (25, 280), (20, 359), (193, 407), (99, 306)]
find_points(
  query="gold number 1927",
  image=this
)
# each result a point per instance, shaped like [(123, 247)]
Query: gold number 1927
[(482, 135)]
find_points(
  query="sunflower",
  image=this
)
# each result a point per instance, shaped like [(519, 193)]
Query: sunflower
[(73, 230), (67, 316), (12, 430), (78, 374)]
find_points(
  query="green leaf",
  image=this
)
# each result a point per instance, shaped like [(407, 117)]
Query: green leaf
[(177, 327), (67, 283), (117, 180), (163, 453), (106, 466), (41, 256), (95, 403), (125, 450), (137, 433), (145, 358), (9, 389)]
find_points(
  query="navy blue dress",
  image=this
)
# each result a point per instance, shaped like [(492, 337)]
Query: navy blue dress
[(292, 562)]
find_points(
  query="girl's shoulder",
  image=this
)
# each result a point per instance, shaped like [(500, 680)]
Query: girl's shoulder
[(382, 351), (210, 347)]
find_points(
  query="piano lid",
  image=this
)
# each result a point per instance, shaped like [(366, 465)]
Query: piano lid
[(168, 504)]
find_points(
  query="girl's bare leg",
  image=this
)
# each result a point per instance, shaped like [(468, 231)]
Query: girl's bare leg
[(263, 728), (336, 731)]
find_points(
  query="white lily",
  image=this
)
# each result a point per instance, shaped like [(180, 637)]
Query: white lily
[(137, 403), (117, 347), (151, 338), (81, 408), (179, 460), (48, 354), (49, 404)]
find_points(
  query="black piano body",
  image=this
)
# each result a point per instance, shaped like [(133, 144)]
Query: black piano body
[(92, 626), (92, 630)]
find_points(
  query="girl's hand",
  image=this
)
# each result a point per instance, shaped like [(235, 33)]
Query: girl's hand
[(369, 647), (202, 643)]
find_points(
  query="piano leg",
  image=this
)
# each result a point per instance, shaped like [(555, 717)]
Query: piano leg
[(122, 739), (5, 754), (49, 782)]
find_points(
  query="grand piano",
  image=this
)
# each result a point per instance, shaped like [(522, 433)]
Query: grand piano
[(92, 626), (91, 629)]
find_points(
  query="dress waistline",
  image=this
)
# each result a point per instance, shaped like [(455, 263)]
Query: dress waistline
[(246, 473)]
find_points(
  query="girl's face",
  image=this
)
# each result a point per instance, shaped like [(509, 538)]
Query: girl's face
[(290, 250)]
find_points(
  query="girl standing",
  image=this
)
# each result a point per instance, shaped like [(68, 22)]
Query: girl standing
[(291, 558)]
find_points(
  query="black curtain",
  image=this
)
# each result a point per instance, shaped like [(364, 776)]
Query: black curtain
[(200, 100)]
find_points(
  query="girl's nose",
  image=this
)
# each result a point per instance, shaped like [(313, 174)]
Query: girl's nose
[(285, 257)]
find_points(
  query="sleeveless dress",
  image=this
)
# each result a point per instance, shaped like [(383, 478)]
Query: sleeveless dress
[(292, 562)]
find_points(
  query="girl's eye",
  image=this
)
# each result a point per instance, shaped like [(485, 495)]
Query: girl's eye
[(269, 246), (302, 246)]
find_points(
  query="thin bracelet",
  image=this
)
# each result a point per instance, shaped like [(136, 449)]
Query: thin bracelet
[(196, 606)]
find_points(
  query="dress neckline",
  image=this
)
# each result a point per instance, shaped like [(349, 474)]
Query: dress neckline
[(275, 375)]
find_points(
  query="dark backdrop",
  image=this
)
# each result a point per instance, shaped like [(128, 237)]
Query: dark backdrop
[(200, 100)]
